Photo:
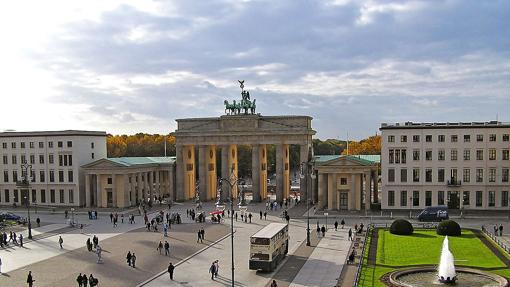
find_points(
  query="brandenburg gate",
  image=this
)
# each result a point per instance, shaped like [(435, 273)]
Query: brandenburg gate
[(240, 126)]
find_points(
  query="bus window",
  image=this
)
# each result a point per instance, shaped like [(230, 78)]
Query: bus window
[(260, 241), (259, 256)]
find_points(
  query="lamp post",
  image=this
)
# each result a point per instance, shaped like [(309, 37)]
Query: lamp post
[(24, 183), (306, 169), (72, 216), (232, 182)]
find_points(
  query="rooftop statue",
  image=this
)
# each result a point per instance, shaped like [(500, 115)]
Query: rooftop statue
[(245, 104)]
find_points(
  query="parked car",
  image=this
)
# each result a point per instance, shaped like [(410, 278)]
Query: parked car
[(433, 213), (10, 216)]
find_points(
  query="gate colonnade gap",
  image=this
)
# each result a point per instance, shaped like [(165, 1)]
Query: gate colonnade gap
[(225, 133)]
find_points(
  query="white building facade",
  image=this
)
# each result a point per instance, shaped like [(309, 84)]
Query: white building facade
[(462, 165), (56, 158)]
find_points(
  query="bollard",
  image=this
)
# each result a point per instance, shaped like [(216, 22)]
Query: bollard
[(391, 215)]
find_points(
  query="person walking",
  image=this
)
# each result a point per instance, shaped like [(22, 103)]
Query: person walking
[(216, 268), (133, 260), (79, 280), (99, 250), (336, 225), (236, 215), (202, 232), (171, 268), (323, 230), (250, 216), (342, 223), (265, 215), (38, 221), (318, 231), (21, 240), (84, 280), (60, 241), (260, 213), (167, 248), (287, 217), (30, 279), (93, 281), (350, 234), (212, 270), (199, 235), (500, 232), (128, 258), (273, 284), (160, 247), (111, 217), (0, 265), (89, 245)]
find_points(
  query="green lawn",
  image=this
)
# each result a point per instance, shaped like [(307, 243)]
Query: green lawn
[(424, 247)]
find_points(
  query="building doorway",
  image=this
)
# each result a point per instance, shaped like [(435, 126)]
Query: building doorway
[(453, 200), (109, 198), (344, 200)]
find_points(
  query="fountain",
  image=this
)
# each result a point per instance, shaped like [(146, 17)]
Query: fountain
[(446, 270)]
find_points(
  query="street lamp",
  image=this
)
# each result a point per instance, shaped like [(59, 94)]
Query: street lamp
[(305, 170), (24, 183), (232, 182)]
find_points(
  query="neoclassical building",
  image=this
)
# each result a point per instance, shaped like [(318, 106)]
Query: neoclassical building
[(125, 181), (346, 182)]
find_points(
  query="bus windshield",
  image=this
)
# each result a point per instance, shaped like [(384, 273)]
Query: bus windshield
[(260, 241)]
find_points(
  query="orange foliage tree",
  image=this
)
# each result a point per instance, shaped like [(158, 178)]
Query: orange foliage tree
[(371, 145)]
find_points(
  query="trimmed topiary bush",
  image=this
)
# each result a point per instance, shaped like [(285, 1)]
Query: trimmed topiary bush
[(401, 227), (448, 227)]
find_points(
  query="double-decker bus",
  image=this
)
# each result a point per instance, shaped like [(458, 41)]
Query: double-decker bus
[(269, 246)]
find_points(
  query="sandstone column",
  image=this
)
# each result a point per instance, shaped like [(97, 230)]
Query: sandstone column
[(255, 172), (376, 186), (225, 189), (202, 172), (189, 174), (279, 172), (115, 192), (322, 186), (87, 190), (179, 173), (368, 185), (263, 171), (330, 193), (286, 171), (98, 191), (352, 193), (211, 175)]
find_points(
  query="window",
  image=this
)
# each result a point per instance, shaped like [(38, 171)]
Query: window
[(479, 138), (34, 195), (6, 196), (506, 137), (70, 160), (454, 138), (416, 175), (440, 138), (5, 159), (403, 175), (60, 160), (32, 159), (416, 138), (41, 158), (6, 176), (479, 175), (391, 175), (466, 177), (397, 156), (504, 175), (32, 175), (13, 145), (65, 160), (467, 154), (440, 197), (41, 176), (43, 196), (50, 144), (22, 144), (453, 174), (4, 145), (453, 154), (61, 195), (465, 198), (492, 154), (403, 139), (428, 155), (71, 196), (92, 155), (16, 195), (440, 154), (23, 158), (14, 175), (70, 176), (391, 139), (505, 154), (428, 198), (479, 196), (391, 156), (50, 159), (492, 175), (91, 145), (416, 198), (492, 137), (109, 180), (52, 176), (479, 154), (60, 144), (403, 198), (14, 159), (31, 144), (428, 175), (492, 198), (403, 157), (428, 138), (467, 138), (504, 198), (60, 176), (41, 144), (52, 195), (69, 143), (440, 175), (343, 181), (391, 198), (416, 154)]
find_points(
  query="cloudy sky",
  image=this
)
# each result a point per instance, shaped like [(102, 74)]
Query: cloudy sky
[(136, 66)]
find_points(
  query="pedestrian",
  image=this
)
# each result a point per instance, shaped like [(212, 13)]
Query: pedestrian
[(273, 284), (212, 270), (236, 215), (171, 268), (202, 231), (318, 231), (21, 240), (79, 280), (89, 245), (0, 265), (495, 232), (323, 230), (500, 231), (122, 218), (342, 223), (199, 235), (93, 281), (84, 280), (133, 260), (111, 217), (216, 268), (242, 217), (250, 216), (160, 247), (128, 258), (260, 212), (95, 240), (287, 217), (265, 215), (60, 241), (38, 220), (30, 279), (98, 251), (167, 248), (65, 213), (350, 234), (336, 225)]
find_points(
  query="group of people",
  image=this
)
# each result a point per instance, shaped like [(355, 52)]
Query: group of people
[(131, 259), (83, 280), (498, 229), (92, 214), (114, 218), (13, 238), (341, 223), (166, 246), (201, 235), (214, 269)]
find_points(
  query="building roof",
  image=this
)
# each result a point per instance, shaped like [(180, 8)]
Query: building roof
[(362, 158), (269, 230), (139, 160), (443, 125), (51, 133)]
